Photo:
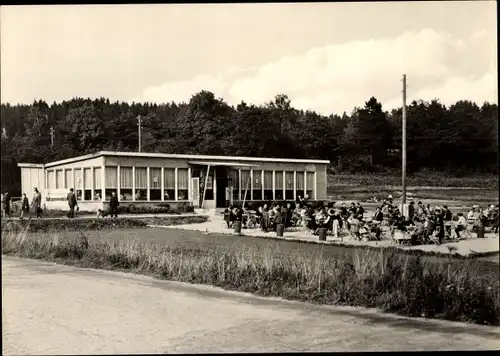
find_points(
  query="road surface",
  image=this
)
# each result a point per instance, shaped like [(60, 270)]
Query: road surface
[(52, 309)]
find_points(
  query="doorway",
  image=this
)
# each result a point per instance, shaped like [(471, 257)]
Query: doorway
[(221, 183)]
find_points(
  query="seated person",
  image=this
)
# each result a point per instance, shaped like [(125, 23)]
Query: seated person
[(278, 218), (229, 216), (378, 216), (447, 215), (461, 224), (359, 211), (418, 231), (343, 212), (354, 225), (138, 195)]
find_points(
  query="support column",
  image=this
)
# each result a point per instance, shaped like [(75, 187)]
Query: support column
[(262, 184), (284, 185), (315, 185), (92, 193), (251, 184), (274, 185), (103, 182), (305, 184), (148, 185), (118, 183), (133, 183), (190, 198), (239, 184), (176, 184), (162, 183), (294, 185)]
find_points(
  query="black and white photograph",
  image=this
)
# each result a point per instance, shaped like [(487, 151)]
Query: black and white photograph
[(249, 177)]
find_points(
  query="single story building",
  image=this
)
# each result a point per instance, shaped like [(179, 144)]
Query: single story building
[(206, 182)]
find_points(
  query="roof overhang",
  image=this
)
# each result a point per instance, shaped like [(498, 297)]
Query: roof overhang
[(222, 163), (30, 165)]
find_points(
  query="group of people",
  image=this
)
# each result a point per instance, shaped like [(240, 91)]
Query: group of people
[(35, 208)]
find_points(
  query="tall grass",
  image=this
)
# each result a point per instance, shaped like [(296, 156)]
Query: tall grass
[(402, 284)]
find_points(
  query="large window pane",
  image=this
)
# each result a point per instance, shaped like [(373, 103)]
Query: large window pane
[(245, 184), (300, 184), (111, 181), (87, 184), (97, 183), (78, 183), (235, 183), (126, 183), (310, 186), (141, 183), (257, 185), (155, 184), (51, 179), (289, 186), (59, 179), (268, 185), (169, 183), (68, 179), (182, 184), (278, 185)]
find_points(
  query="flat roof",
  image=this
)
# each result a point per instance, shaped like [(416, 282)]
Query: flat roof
[(30, 165), (182, 156)]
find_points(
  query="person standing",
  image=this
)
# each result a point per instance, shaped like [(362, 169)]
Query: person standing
[(228, 196), (36, 203), (6, 205), (113, 205), (72, 203), (25, 206)]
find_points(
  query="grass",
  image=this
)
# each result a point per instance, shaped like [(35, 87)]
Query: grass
[(403, 284)]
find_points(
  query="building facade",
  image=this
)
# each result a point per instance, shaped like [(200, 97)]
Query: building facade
[(151, 178)]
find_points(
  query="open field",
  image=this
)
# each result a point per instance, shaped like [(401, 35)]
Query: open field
[(423, 179)]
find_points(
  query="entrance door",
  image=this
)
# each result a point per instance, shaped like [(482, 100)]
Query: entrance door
[(221, 184), (195, 192)]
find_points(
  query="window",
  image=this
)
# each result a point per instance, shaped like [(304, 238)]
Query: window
[(289, 185), (155, 184), (169, 184), (141, 183), (110, 181), (310, 186), (278, 185), (268, 185), (126, 183), (78, 183), (97, 184), (51, 179), (59, 179), (68, 182), (300, 184), (87, 184), (257, 185), (245, 185), (235, 183), (182, 184)]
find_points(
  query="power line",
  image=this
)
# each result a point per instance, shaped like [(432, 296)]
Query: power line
[(139, 124)]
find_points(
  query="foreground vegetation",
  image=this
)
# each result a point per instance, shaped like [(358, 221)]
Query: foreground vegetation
[(402, 284), (92, 224)]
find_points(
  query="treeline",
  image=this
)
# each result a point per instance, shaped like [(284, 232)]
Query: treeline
[(459, 139)]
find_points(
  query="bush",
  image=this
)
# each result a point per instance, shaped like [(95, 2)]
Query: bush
[(403, 284)]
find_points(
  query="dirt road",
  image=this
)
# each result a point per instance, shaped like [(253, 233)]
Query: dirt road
[(51, 309)]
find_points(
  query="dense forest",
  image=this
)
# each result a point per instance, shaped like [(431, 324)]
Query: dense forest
[(459, 139)]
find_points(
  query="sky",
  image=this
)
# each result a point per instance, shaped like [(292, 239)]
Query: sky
[(327, 57)]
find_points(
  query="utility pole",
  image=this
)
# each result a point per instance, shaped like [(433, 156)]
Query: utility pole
[(139, 124), (51, 136), (404, 140)]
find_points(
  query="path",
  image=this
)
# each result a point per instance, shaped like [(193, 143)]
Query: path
[(51, 309)]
